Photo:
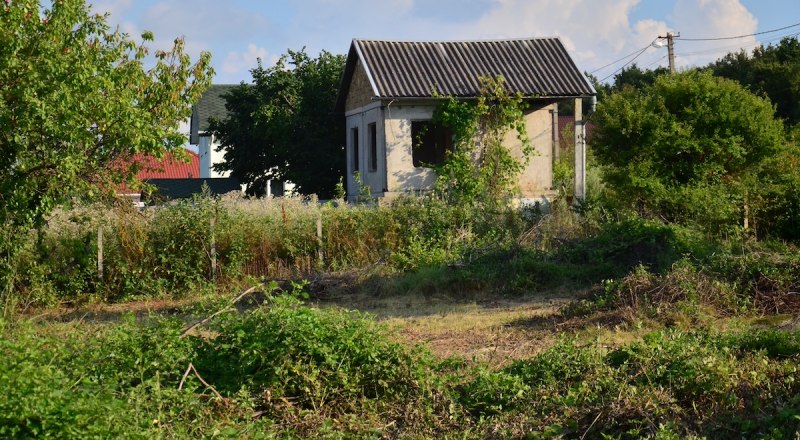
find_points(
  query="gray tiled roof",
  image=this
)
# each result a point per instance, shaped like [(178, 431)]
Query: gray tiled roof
[(535, 67), (210, 105)]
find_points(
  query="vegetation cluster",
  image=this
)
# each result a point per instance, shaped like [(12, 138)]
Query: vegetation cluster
[(686, 250)]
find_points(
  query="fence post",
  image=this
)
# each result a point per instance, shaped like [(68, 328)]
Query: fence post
[(320, 254), (100, 253), (212, 224)]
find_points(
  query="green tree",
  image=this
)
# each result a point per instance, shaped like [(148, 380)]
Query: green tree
[(690, 148), (773, 71), (76, 98), (283, 127)]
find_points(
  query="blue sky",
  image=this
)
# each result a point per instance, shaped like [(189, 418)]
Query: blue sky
[(596, 32)]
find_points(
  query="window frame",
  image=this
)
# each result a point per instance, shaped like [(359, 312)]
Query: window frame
[(440, 157), (372, 147), (354, 141)]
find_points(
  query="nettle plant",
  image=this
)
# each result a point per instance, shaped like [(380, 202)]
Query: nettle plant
[(481, 171)]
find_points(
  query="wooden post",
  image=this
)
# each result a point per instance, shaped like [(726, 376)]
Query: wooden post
[(212, 224), (320, 254), (100, 253)]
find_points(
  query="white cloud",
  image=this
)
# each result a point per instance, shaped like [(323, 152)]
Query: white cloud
[(240, 61), (203, 20), (113, 7), (711, 19), (595, 32)]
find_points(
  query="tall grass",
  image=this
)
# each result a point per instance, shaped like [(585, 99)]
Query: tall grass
[(202, 242)]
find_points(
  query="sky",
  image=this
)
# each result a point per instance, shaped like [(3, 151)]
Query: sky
[(595, 32)]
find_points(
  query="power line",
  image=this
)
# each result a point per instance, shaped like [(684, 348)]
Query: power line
[(656, 61), (623, 58), (739, 36), (637, 53), (729, 48), (629, 62)]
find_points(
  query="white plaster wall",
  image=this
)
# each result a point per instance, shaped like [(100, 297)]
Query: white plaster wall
[(396, 174), (209, 156), (374, 179), (401, 174), (354, 121), (537, 177)]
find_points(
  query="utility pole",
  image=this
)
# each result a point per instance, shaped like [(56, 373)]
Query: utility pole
[(671, 49)]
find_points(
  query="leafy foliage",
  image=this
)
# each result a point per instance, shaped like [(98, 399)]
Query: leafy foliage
[(76, 100), (481, 170), (283, 127), (773, 71), (689, 148), (631, 76)]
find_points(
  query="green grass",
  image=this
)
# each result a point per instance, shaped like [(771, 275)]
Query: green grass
[(680, 334)]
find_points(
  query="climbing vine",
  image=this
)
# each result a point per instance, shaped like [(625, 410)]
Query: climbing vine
[(481, 171)]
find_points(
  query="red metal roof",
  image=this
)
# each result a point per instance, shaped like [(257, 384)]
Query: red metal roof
[(169, 167)]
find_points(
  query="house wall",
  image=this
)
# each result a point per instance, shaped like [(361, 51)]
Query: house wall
[(375, 178), (401, 174), (360, 93), (396, 173), (536, 180), (207, 150)]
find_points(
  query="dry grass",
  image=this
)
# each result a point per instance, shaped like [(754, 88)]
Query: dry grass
[(479, 330)]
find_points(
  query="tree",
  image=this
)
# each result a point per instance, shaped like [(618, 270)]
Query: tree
[(75, 99), (773, 71), (283, 127), (690, 148)]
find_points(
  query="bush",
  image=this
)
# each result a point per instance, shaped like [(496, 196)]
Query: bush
[(321, 359), (691, 149)]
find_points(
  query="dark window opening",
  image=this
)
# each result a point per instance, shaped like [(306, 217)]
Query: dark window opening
[(354, 138), (373, 146), (430, 142), (277, 188)]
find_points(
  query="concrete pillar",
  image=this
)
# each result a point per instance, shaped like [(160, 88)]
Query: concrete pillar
[(580, 151), (556, 146)]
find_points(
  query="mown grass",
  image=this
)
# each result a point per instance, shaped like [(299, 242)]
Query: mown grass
[(286, 369)]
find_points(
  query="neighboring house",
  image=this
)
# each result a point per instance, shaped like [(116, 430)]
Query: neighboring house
[(212, 105), (173, 178), (387, 99)]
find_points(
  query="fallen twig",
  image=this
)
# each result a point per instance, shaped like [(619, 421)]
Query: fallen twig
[(197, 375), (223, 310)]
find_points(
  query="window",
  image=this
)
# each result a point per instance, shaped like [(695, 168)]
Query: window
[(354, 140), (372, 131), (430, 142), (276, 188)]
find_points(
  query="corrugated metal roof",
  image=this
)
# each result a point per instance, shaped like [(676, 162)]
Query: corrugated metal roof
[(170, 167), (535, 67), (210, 105)]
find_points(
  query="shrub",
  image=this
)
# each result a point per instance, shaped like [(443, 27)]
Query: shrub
[(315, 358)]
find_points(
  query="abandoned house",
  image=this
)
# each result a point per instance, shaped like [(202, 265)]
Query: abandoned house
[(387, 98)]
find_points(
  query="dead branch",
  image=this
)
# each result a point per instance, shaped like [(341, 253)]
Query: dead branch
[(200, 378), (223, 310)]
